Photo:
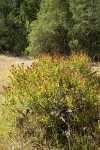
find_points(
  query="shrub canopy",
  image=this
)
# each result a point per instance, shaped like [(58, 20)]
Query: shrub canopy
[(54, 101)]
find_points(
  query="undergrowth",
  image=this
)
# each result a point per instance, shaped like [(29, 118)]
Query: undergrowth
[(52, 105)]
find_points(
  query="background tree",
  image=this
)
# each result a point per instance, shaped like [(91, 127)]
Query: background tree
[(29, 9), (12, 37), (13, 31), (50, 32), (48, 26), (86, 15)]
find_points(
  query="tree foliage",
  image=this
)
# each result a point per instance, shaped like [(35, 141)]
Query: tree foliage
[(29, 9), (13, 30), (48, 26), (86, 15), (50, 31)]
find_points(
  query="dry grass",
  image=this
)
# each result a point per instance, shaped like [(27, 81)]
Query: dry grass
[(96, 67), (5, 65)]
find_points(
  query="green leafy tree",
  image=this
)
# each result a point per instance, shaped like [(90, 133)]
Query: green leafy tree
[(50, 32), (29, 9), (13, 17), (86, 15), (5, 10)]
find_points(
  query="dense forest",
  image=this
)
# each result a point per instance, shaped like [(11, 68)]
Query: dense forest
[(34, 26)]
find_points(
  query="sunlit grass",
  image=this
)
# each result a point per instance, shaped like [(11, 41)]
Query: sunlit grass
[(5, 64)]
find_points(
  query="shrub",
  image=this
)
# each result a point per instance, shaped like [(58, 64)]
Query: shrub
[(55, 103)]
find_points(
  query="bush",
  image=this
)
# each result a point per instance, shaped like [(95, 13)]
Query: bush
[(54, 103)]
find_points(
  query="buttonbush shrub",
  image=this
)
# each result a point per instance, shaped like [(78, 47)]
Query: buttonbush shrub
[(55, 103)]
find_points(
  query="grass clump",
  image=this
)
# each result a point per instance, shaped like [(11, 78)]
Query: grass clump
[(54, 103)]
